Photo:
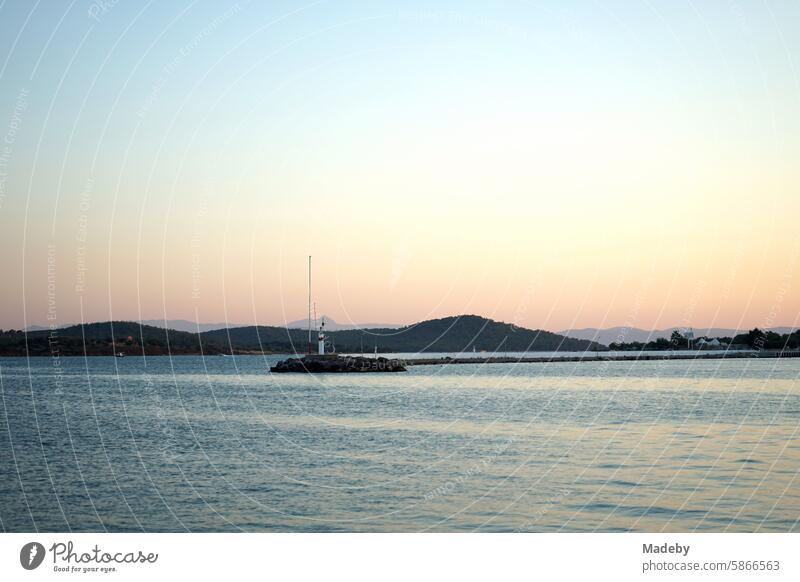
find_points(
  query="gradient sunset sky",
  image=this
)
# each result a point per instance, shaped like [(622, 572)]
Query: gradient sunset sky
[(552, 164)]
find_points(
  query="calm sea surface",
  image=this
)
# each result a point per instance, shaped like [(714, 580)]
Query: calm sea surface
[(219, 444)]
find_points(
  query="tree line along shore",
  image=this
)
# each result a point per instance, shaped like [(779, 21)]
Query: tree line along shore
[(755, 339)]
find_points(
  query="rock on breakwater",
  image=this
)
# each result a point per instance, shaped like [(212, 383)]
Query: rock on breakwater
[(334, 364)]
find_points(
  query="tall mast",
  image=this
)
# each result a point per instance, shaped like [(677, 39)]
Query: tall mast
[(309, 304)]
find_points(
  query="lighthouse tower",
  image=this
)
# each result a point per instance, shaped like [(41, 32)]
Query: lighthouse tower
[(321, 338)]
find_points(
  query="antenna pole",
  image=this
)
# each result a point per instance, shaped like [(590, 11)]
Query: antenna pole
[(309, 304)]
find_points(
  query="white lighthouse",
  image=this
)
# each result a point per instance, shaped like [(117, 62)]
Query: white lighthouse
[(321, 338)]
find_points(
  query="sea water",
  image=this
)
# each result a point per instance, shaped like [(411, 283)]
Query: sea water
[(219, 444)]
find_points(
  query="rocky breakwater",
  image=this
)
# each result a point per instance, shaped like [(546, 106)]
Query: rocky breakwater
[(335, 364)]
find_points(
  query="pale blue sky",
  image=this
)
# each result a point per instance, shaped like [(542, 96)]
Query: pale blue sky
[(172, 133)]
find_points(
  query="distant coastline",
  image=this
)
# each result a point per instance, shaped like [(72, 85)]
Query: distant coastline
[(449, 334), (455, 334)]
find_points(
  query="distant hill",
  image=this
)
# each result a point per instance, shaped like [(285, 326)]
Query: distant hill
[(332, 325), (194, 327), (450, 334), (37, 327), (176, 324), (632, 334), (104, 338), (190, 326)]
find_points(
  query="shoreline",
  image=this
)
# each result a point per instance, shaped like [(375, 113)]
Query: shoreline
[(423, 361)]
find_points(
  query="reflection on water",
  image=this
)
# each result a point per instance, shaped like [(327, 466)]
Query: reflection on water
[(219, 444)]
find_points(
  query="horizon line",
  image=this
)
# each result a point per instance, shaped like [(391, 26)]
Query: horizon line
[(376, 325)]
